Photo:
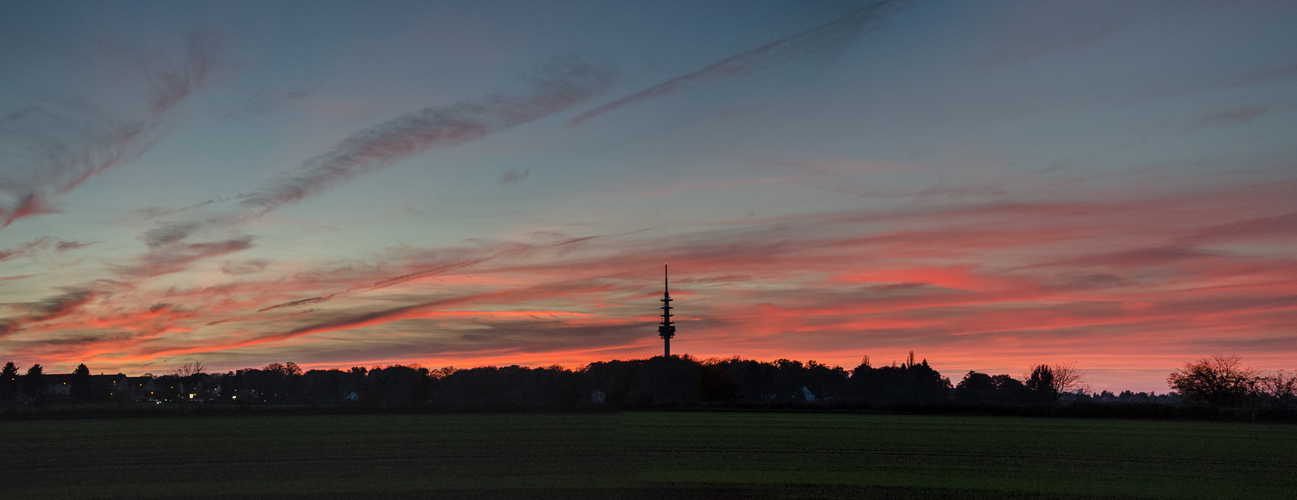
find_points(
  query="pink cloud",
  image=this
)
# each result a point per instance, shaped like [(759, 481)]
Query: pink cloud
[(987, 286)]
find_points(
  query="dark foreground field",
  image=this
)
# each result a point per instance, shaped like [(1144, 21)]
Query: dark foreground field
[(644, 455)]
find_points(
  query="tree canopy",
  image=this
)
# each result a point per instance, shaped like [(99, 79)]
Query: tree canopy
[(1218, 380)]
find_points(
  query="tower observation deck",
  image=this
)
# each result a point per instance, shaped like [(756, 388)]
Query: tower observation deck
[(666, 329)]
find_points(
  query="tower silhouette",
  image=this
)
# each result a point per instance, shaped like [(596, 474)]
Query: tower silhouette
[(666, 329)]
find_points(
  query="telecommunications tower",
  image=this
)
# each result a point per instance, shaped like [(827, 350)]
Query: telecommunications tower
[(666, 329)]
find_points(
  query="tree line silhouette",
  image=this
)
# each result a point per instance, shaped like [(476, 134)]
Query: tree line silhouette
[(659, 382)]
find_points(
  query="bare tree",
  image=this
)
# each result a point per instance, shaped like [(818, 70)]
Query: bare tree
[(1051, 381), (189, 369), (1218, 380), (1280, 386), (1068, 378)]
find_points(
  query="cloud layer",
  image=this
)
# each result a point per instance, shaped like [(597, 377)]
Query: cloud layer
[(62, 145), (556, 86), (963, 284)]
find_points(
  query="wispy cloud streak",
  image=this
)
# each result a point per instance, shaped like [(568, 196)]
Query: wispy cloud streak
[(556, 86), (815, 40), (64, 148), (170, 253), (171, 85), (422, 268), (1235, 116), (39, 245), (64, 304)]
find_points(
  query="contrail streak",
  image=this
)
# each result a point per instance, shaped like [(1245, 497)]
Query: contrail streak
[(815, 40)]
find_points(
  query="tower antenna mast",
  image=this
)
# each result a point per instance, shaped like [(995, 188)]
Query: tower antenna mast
[(666, 329)]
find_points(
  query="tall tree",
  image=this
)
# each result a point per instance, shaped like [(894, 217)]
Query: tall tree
[(1041, 381), (976, 388), (34, 382), (1068, 378), (81, 388), (8, 381), (1049, 382)]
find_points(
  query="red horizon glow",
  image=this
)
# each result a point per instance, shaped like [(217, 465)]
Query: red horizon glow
[(979, 298)]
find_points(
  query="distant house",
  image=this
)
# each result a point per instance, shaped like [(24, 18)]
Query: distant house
[(351, 396), (58, 385), (141, 388), (806, 394), (597, 397), (110, 385), (244, 396)]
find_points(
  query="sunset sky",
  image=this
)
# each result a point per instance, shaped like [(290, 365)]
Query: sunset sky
[(988, 184)]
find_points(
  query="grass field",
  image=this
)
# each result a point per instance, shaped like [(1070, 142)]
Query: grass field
[(644, 455)]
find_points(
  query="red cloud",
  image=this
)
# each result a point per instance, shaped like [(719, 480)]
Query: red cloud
[(986, 287)]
